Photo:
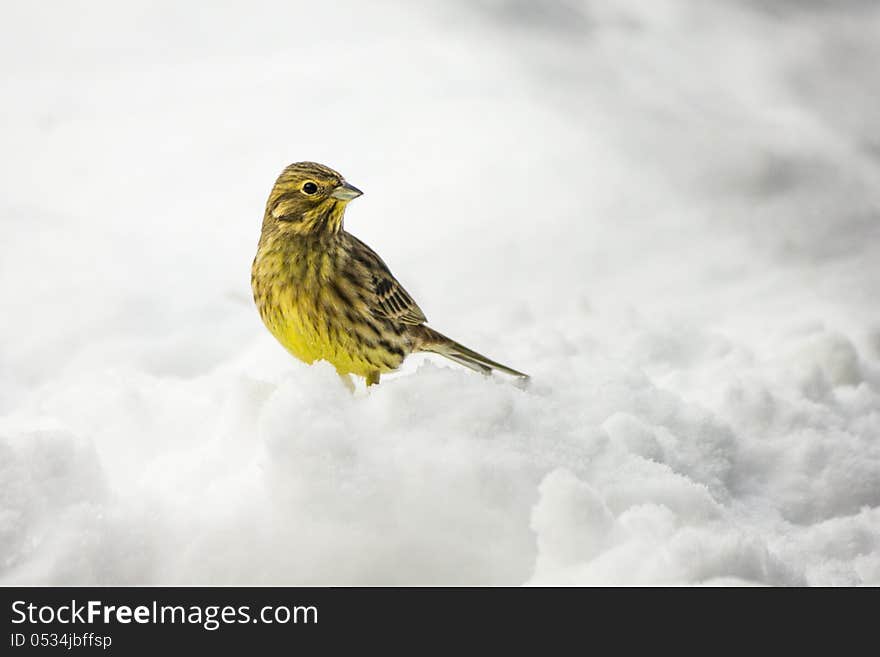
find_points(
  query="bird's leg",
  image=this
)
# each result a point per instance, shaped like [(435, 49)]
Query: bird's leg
[(373, 378), (346, 379)]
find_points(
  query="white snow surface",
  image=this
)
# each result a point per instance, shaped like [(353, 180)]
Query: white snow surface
[(667, 212)]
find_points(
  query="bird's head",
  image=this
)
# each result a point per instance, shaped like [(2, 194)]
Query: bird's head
[(309, 198)]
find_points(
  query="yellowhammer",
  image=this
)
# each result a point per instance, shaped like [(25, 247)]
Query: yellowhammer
[(324, 294)]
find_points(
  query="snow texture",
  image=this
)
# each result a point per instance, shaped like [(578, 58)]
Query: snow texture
[(668, 213)]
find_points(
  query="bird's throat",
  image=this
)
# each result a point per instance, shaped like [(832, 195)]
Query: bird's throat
[(324, 219)]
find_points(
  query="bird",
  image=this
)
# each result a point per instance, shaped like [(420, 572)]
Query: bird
[(325, 295)]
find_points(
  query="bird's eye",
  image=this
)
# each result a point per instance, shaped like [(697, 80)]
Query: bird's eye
[(309, 188)]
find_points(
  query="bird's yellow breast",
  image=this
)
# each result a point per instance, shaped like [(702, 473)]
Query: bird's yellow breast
[(293, 294)]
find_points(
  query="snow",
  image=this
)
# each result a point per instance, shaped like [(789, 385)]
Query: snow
[(668, 213)]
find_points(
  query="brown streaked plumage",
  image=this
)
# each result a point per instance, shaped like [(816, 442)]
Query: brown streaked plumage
[(324, 294)]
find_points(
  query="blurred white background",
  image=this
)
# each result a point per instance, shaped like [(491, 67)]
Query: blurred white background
[(668, 213)]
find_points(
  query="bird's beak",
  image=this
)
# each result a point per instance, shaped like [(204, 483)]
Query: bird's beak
[(346, 192)]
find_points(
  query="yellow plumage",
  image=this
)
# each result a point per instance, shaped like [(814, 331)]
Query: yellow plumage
[(325, 295)]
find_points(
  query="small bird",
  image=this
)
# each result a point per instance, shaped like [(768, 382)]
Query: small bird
[(324, 294)]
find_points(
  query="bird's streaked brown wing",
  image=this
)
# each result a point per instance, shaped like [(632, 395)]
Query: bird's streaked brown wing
[(384, 295)]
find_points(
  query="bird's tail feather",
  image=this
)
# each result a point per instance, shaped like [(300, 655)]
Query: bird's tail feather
[(438, 343)]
